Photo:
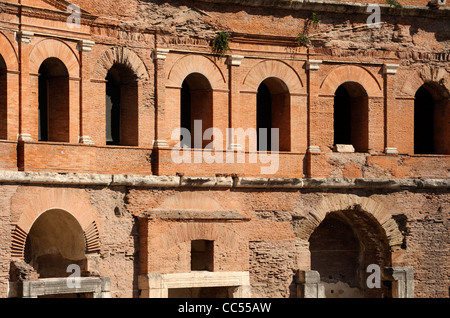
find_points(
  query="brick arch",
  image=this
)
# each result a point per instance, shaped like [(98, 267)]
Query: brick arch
[(8, 53), (120, 55), (342, 202), (413, 82), (350, 73), (194, 63), (33, 203), (273, 68), (54, 48), (200, 231)]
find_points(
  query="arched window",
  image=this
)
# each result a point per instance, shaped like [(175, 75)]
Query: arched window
[(196, 104), (53, 117), (121, 106), (431, 120), (3, 100), (351, 116), (273, 111)]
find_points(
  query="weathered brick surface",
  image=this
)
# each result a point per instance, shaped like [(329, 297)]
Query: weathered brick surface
[(263, 230)]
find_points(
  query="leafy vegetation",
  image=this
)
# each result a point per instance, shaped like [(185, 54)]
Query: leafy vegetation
[(302, 37), (394, 3), (221, 43)]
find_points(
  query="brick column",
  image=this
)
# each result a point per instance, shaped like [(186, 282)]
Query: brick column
[(389, 70), (12, 105), (234, 61), (313, 149), (85, 47), (25, 115), (159, 56)]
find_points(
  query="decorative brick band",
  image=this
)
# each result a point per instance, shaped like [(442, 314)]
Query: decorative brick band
[(92, 238), (18, 239)]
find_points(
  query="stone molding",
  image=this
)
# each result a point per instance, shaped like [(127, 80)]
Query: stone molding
[(235, 60), (24, 36), (156, 285), (390, 68), (313, 65), (402, 278), (90, 179), (85, 45), (99, 286), (160, 54), (309, 285)]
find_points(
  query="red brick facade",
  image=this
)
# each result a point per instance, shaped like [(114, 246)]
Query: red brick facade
[(139, 210)]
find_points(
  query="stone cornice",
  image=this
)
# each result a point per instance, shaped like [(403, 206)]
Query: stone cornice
[(45, 13), (151, 181), (338, 7)]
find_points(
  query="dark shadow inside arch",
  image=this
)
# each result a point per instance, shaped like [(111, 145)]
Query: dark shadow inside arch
[(431, 120), (196, 105), (121, 106), (351, 122), (273, 112), (53, 92), (3, 99), (342, 247)]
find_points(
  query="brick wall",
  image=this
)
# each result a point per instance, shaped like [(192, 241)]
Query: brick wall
[(60, 157), (270, 230)]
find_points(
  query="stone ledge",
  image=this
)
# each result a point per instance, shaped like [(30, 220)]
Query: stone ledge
[(86, 179), (194, 215), (339, 7)]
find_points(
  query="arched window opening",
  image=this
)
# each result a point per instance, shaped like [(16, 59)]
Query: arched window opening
[(54, 115), (431, 120), (196, 104), (121, 106), (273, 111), (3, 100), (351, 126), (55, 241), (202, 255), (342, 247)]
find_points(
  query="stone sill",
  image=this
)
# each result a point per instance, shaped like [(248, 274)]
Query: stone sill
[(152, 181)]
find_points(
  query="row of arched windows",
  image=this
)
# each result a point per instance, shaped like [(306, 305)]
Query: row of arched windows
[(196, 100)]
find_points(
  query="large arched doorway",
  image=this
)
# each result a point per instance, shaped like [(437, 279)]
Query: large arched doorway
[(196, 105), (431, 120), (55, 241), (342, 247), (351, 126), (273, 111)]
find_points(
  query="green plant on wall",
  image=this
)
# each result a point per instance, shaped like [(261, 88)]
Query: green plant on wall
[(394, 3), (220, 43), (302, 38)]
